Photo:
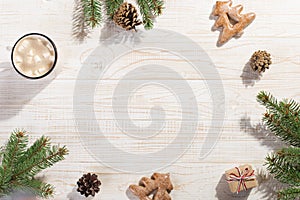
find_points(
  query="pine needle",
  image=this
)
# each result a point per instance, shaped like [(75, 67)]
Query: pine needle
[(146, 13), (92, 12), (112, 6), (285, 165), (289, 194), (150, 9)]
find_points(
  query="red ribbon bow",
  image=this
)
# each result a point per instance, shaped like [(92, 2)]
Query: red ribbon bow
[(242, 178)]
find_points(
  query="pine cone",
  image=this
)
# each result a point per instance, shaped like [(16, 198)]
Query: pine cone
[(260, 61), (88, 185), (127, 17)]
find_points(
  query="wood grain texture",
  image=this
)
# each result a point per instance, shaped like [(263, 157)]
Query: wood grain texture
[(46, 106)]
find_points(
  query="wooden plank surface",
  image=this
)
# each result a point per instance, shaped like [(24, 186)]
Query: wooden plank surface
[(46, 106)]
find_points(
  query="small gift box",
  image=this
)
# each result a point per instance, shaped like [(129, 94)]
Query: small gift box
[(241, 178)]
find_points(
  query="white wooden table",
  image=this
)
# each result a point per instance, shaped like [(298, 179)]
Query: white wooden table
[(46, 106)]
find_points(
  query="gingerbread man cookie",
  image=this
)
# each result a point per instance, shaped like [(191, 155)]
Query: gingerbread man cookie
[(159, 185), (230, 20)]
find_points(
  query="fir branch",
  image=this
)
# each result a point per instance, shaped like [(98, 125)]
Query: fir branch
[(80, 28), (268, 101), (289, 194), (149, 9), (11, 153), (5, 178), (14, 149), (146, 13), (285, 165), (157, 7), (39, 150), (40, 145), (20, 164), (282, 118), (92, 12), (112, 6), (53, 156), (35, 187)]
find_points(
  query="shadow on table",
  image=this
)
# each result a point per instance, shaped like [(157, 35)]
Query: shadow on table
[(19, 196), (16, 91), (260, 132), (250, 77), (80, 29), (130, 195), (267, 185), (113, 34), (74, 195)]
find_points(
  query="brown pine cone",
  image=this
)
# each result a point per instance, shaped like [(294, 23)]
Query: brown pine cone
[(88, 185), (260, 61), (127, 17)]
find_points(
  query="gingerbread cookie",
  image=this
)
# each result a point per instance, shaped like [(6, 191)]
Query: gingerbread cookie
[(230, 20), (159, 185)]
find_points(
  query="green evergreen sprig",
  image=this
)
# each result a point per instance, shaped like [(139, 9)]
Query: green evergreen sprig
[(146, 13), (285, 165), (20, 165), (289, 194), (282, 118), (112, 6), (149, 9), (92, 12)]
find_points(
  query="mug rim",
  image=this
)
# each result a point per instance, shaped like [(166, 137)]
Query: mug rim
[(55, 55)]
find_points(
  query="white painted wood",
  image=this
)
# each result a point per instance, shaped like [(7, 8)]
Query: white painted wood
[(46, 106)]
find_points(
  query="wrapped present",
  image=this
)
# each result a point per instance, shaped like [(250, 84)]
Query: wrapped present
[(241, 178)]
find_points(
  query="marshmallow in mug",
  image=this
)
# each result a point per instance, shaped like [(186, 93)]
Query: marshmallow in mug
[(34, 55)]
